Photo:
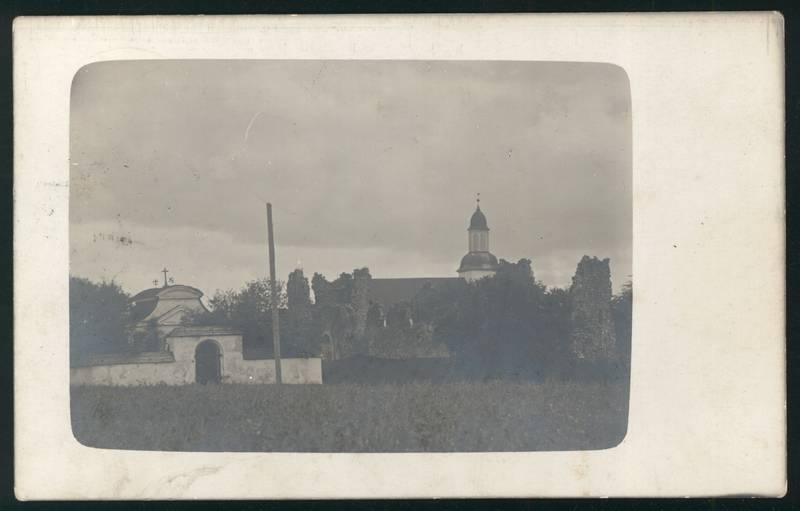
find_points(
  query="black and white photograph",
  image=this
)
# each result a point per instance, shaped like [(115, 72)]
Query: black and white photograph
[(350, 256), (399, 256)]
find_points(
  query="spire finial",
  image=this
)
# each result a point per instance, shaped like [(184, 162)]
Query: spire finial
[(478, 200)]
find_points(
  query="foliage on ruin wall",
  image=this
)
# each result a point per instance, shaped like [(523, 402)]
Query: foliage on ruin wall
[(402, 339), (509, 321), (592, 335)]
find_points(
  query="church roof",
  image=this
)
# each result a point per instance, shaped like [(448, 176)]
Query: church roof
[(478, 221), (388, 292), (478, 261)]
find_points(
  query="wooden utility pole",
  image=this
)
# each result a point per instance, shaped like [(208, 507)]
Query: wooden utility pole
[(273, 291)]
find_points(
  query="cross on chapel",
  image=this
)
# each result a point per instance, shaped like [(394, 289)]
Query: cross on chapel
[(171, 280)]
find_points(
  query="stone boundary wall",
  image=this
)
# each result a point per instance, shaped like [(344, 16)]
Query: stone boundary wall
[(148, 357), (131, 374), (182, 372)]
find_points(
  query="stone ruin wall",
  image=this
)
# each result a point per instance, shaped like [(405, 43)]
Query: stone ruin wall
[(591, 324), (348, 324), (300, 309), (354, 326), (405, 341), (336, 318), (359, 299)]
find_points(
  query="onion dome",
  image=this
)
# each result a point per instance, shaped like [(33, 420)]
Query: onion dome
[(478, 221), (478, 261)]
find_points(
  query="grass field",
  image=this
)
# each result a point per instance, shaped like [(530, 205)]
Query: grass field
[(466, 416)]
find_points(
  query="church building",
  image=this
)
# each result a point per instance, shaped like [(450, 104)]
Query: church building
[(478, 262), (385, 316)]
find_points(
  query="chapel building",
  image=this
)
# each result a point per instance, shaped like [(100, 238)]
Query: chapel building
[(167, 307)]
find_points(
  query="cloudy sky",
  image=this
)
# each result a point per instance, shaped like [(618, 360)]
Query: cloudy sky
[(366, 164)]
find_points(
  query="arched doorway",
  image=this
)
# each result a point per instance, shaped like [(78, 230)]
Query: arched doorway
[(207, 362), (326, 347)]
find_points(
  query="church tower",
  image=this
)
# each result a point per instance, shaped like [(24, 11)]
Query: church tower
[(478, 262)]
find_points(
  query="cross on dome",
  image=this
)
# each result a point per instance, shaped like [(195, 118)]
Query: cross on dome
[(478, 220), (479, 262)]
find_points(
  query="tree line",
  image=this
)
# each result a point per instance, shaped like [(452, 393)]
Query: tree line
[(510, 321)]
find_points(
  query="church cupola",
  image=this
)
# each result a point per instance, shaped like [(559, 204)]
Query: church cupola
[(478, 232), (478, 220), (478, 262)]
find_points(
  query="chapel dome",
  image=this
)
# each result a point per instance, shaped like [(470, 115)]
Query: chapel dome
[(478, 261), (478, 220), (143, 304)]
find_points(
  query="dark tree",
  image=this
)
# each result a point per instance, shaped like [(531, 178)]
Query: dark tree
[(323, 292), (375, 316), (426, 304), (297, 291), (552, 324), (497, 322), (298, 332), (399, 316), (343, 288), (248, 310), (147, 339), (98, 318), (622, 313)]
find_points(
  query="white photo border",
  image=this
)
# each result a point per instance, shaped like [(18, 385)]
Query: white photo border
[(708, 398)]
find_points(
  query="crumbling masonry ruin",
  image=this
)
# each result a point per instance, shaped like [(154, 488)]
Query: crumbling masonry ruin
[(346, 320), (591, 324)]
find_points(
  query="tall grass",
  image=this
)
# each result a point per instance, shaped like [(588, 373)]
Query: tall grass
[(467, 416)]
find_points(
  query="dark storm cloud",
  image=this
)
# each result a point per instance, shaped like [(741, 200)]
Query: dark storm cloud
[(357, 155)]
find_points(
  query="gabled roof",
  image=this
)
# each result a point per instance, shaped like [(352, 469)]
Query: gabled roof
[(387, 292)]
